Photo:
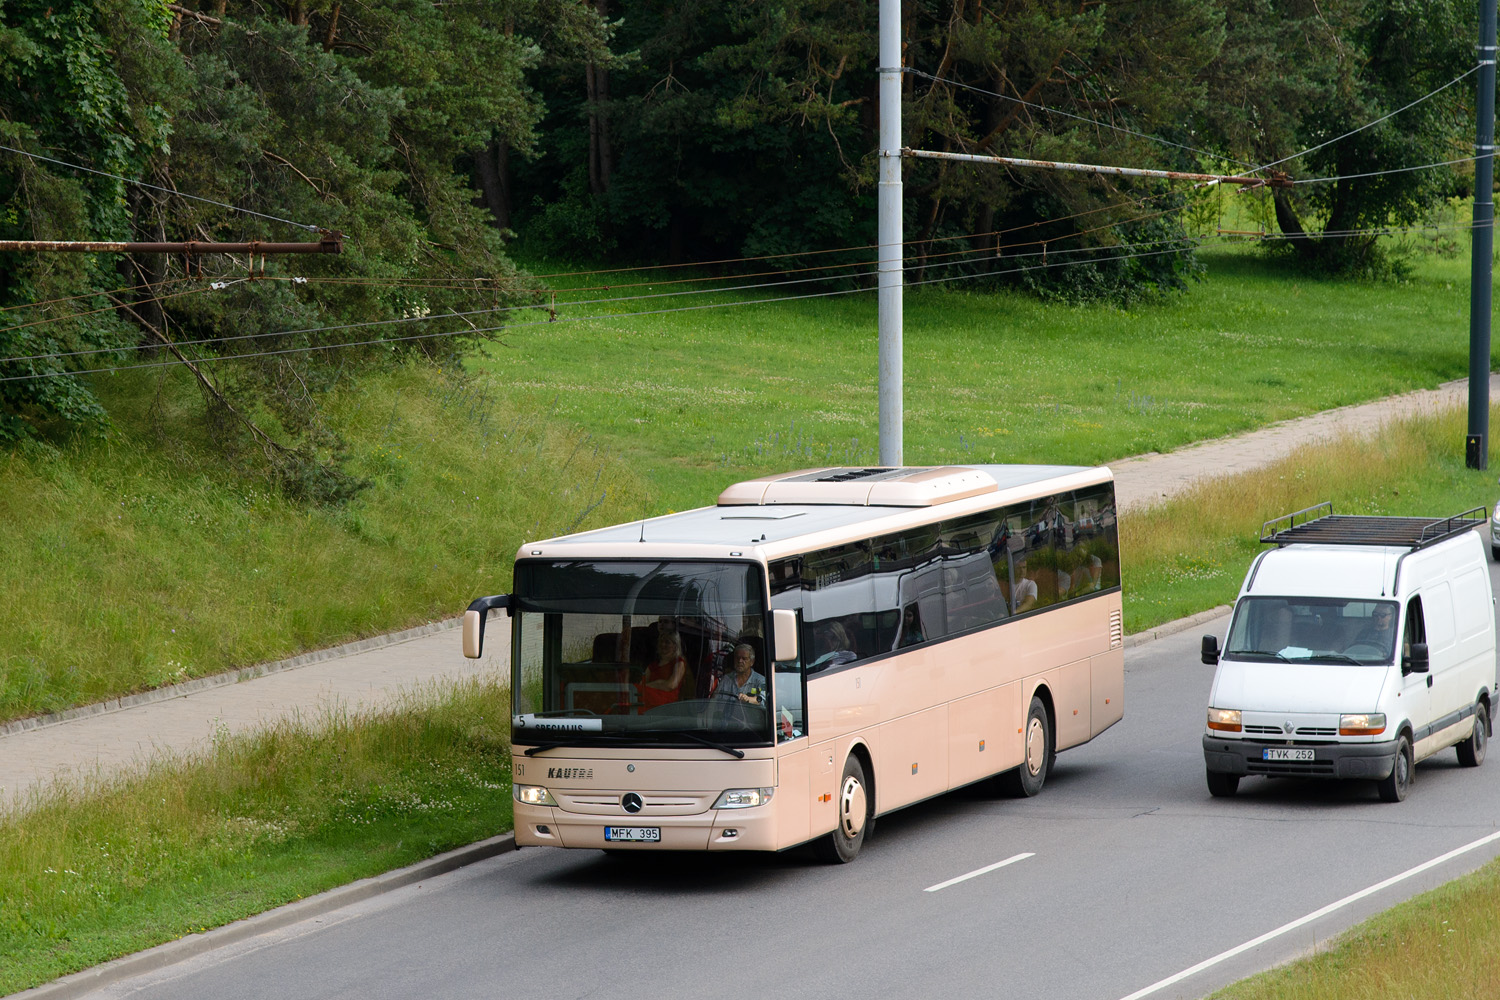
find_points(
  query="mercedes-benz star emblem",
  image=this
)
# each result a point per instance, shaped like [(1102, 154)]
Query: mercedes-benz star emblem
[(631, 802)]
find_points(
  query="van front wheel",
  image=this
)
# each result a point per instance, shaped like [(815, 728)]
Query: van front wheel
[(1222, 786), (1471, 750), (1394, 786)]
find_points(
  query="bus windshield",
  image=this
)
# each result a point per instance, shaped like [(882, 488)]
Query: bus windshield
[(645, 652)]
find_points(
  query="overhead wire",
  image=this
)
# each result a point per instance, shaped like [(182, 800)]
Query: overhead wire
[(434, 335), (157, 187), (1368, 125)]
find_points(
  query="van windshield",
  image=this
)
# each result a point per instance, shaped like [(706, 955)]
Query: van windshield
[(1313, 630)]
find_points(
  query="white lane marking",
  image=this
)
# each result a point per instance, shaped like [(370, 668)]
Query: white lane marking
[(1300, 921), (980, 871)]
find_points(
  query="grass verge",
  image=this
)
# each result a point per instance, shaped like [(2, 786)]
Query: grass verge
[(91, 872), (741, 387), (95, 870), (1191, 553), (1442, 945), (143, 560)]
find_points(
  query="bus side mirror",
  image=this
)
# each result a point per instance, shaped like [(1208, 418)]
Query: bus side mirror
[(474, 623), (784, 635), (1211, 650), (1416, 661)]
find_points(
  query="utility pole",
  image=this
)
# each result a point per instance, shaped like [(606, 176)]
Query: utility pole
[(891, 236), (1476, 445)]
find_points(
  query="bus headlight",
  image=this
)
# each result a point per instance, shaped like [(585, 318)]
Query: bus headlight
[(534, 795), (743, 798), (1362, 724), (1224, 720)]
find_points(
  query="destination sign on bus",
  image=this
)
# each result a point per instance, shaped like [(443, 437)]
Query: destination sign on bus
[(559, 725)]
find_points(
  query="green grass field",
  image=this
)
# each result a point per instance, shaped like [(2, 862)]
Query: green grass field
[(141, 560), (703, 398)]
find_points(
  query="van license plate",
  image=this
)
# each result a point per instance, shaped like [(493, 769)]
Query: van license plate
[(1286, 753), (636, 834)]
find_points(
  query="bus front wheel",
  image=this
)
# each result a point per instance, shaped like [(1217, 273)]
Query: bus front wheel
[(1027, 780), (843, 844)]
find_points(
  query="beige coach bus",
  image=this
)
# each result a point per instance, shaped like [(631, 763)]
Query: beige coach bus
[(817, 649)]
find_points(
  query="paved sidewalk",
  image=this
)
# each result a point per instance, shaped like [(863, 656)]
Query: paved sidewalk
[(371, 673)]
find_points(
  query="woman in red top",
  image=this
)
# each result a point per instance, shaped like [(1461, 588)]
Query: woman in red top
[(663, 679)]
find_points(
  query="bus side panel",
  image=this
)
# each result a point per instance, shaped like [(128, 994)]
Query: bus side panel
[(1070, 699), (911, 758), (793, 799), (1107, 673), (826, 764), (977, 742)]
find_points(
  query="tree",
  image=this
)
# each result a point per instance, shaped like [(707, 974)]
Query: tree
[(1303, 75)]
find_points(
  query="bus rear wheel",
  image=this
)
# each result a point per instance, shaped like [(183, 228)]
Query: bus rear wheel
[(1027, 780), (843, 844)]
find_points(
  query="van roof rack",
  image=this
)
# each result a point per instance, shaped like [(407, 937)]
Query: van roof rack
[(1328, 528)]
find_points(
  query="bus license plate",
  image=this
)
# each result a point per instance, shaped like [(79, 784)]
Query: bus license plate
[(637, 834), (1286, 753)]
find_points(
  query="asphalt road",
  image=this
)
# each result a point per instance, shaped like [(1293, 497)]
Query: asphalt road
[(1123, 876)]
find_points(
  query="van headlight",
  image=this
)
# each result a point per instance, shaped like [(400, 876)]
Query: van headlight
[(534, 795), (1224, 720), (1362, 724), (744, 798)]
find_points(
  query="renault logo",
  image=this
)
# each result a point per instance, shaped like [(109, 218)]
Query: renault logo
[(631, 802), (1287, 727)]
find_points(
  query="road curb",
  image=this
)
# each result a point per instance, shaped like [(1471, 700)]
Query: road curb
[(228, 677), (80, 984), (1173, 627)]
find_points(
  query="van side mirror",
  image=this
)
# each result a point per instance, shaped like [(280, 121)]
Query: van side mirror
[(474, 623), (784, 637), (1211, 650), (1416, 661)]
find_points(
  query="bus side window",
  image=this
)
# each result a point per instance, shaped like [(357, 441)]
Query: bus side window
[(790, 719)]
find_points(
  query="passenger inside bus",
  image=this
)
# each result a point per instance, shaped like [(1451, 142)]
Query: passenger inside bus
[(832, 644), (1023, 595), (911, 626), (663, 679)]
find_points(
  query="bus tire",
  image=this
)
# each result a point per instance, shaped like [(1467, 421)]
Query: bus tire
[(853, 805), (1393, 787), (1471, 750), (1027, 780)]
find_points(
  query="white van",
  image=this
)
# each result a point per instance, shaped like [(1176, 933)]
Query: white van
[(1358, 646)]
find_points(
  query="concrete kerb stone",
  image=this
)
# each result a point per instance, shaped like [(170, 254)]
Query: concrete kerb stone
[(1180, 625), (228, 677), (80, 984)]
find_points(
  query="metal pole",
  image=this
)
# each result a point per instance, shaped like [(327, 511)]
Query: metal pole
[(1476, 446), (891, 236)]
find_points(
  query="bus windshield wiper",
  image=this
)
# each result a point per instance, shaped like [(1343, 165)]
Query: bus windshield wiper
[(710, 743), (593, 740)]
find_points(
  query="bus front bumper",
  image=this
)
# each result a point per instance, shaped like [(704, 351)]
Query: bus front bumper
[(752, 829), (1330, 760)]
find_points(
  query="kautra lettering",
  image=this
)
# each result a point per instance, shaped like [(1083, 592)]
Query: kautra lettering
[(570, 772)]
